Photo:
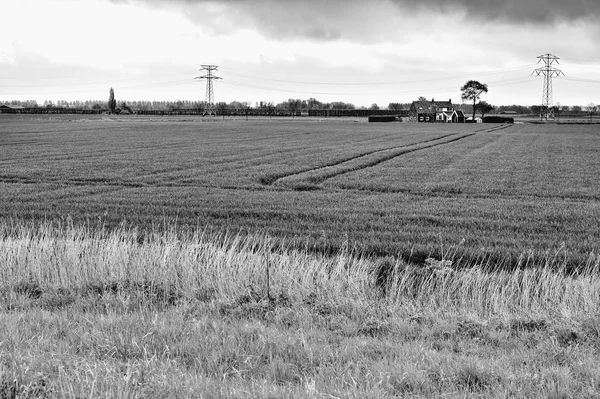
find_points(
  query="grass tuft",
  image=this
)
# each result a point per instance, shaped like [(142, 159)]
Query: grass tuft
[(473, 378)]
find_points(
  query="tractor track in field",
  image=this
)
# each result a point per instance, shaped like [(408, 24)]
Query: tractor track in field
[(272, 179), (306, 179), (311, 178), (112, 185)]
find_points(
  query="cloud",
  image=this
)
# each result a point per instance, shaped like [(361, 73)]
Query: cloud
[(309, 19), (517, 11), (359, 20)]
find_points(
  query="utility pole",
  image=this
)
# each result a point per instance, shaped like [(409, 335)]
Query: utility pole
[(548, 71), (209, 102)]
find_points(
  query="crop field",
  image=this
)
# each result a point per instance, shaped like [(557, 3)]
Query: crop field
[(173, 257), (489, 192)]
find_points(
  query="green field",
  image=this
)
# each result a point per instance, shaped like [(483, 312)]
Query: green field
[(168, 257), (493, 192)]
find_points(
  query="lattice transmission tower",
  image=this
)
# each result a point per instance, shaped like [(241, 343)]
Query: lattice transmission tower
[(209, 102), (548, 71)]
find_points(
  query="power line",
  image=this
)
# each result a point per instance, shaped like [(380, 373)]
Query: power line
[(387, 83), (129, 79), (501, 82), (583, 80), (170, 83)]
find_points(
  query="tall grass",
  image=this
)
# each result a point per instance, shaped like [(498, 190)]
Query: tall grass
[(226, 267), (91, 312)]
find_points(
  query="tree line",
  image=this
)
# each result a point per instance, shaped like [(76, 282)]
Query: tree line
[(294, 105)]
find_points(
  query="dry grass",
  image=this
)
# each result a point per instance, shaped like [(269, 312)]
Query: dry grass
[(97, 313)]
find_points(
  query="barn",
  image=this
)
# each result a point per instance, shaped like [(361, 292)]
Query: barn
[(10, 108)]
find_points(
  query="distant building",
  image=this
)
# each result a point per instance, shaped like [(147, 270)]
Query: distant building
[(477, 119), (9, 108), (435, 111)]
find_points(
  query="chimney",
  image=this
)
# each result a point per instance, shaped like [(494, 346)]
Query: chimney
[(432, 100)]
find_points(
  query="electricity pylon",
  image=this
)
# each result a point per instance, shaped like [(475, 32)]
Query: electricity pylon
[(548, 72), (209, 102)]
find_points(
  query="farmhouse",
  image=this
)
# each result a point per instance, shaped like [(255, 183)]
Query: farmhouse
[(435, 111)]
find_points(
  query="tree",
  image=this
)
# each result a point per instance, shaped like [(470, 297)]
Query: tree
[(126, 107), (222, 108), (246, 108), (341, 105), (421, 98), (472, 90), (313, 103), (591, 108), (270, 109), (395, 106), (112, 103), (483, 107), (556, 111), (294, 105), (374, 106)]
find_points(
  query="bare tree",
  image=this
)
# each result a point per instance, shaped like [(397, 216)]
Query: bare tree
[(592, 108)]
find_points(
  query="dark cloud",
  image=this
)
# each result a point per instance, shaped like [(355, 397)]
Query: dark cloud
[(534, 11), (354, 19)]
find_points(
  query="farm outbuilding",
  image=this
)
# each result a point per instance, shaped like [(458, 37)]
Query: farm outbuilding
[(435, 111), (458, 116), (10, 108)]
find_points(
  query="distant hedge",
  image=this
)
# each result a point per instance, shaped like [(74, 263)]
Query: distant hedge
[(383, 118), (498, 119)]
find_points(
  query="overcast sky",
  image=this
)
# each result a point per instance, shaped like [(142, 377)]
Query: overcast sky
[(364, 52)]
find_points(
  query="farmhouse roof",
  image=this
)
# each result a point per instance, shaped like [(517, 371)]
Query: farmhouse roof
[(431, 106), (7, 106)]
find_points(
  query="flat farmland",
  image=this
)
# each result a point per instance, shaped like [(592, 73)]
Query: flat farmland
[(495, 192)]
